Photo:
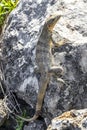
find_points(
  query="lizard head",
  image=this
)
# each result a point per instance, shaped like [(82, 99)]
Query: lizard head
[(51, 21)]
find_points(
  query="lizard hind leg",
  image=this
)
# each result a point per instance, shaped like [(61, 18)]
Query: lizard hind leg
[(56, 70)]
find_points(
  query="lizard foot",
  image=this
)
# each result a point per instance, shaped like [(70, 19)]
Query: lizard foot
[(62, 81), (56, 70)]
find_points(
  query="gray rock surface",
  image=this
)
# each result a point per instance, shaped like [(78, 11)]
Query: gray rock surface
[(19, 43), (37, 125)]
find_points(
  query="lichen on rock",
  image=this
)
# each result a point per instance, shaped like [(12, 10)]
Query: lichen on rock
[(70, 120)]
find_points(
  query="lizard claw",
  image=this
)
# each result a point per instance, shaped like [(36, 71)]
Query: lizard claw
[(61, 80)]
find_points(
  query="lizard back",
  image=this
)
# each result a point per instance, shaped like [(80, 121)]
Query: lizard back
[(43, 56)]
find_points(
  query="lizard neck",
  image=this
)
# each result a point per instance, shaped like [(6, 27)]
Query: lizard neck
[(46, 34)]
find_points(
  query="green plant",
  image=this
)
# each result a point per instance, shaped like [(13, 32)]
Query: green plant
[(6, 6), (20, 122)]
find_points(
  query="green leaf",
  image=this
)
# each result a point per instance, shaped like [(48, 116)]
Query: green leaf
[(6, 6)]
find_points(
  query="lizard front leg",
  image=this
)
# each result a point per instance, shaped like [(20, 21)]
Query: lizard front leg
[(56, 71), (53, 45), (61, 42)]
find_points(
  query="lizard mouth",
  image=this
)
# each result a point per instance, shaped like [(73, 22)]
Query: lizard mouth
[(52, 21)]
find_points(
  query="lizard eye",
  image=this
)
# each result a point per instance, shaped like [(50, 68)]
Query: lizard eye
[(49, 26)]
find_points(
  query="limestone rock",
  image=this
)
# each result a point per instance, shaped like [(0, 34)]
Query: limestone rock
[(71, 120), (37, 125), (19, 42)]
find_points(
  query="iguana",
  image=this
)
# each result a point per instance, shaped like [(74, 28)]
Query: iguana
[(44, 61)]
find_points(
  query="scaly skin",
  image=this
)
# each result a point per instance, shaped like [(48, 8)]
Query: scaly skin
[(44, 62)]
